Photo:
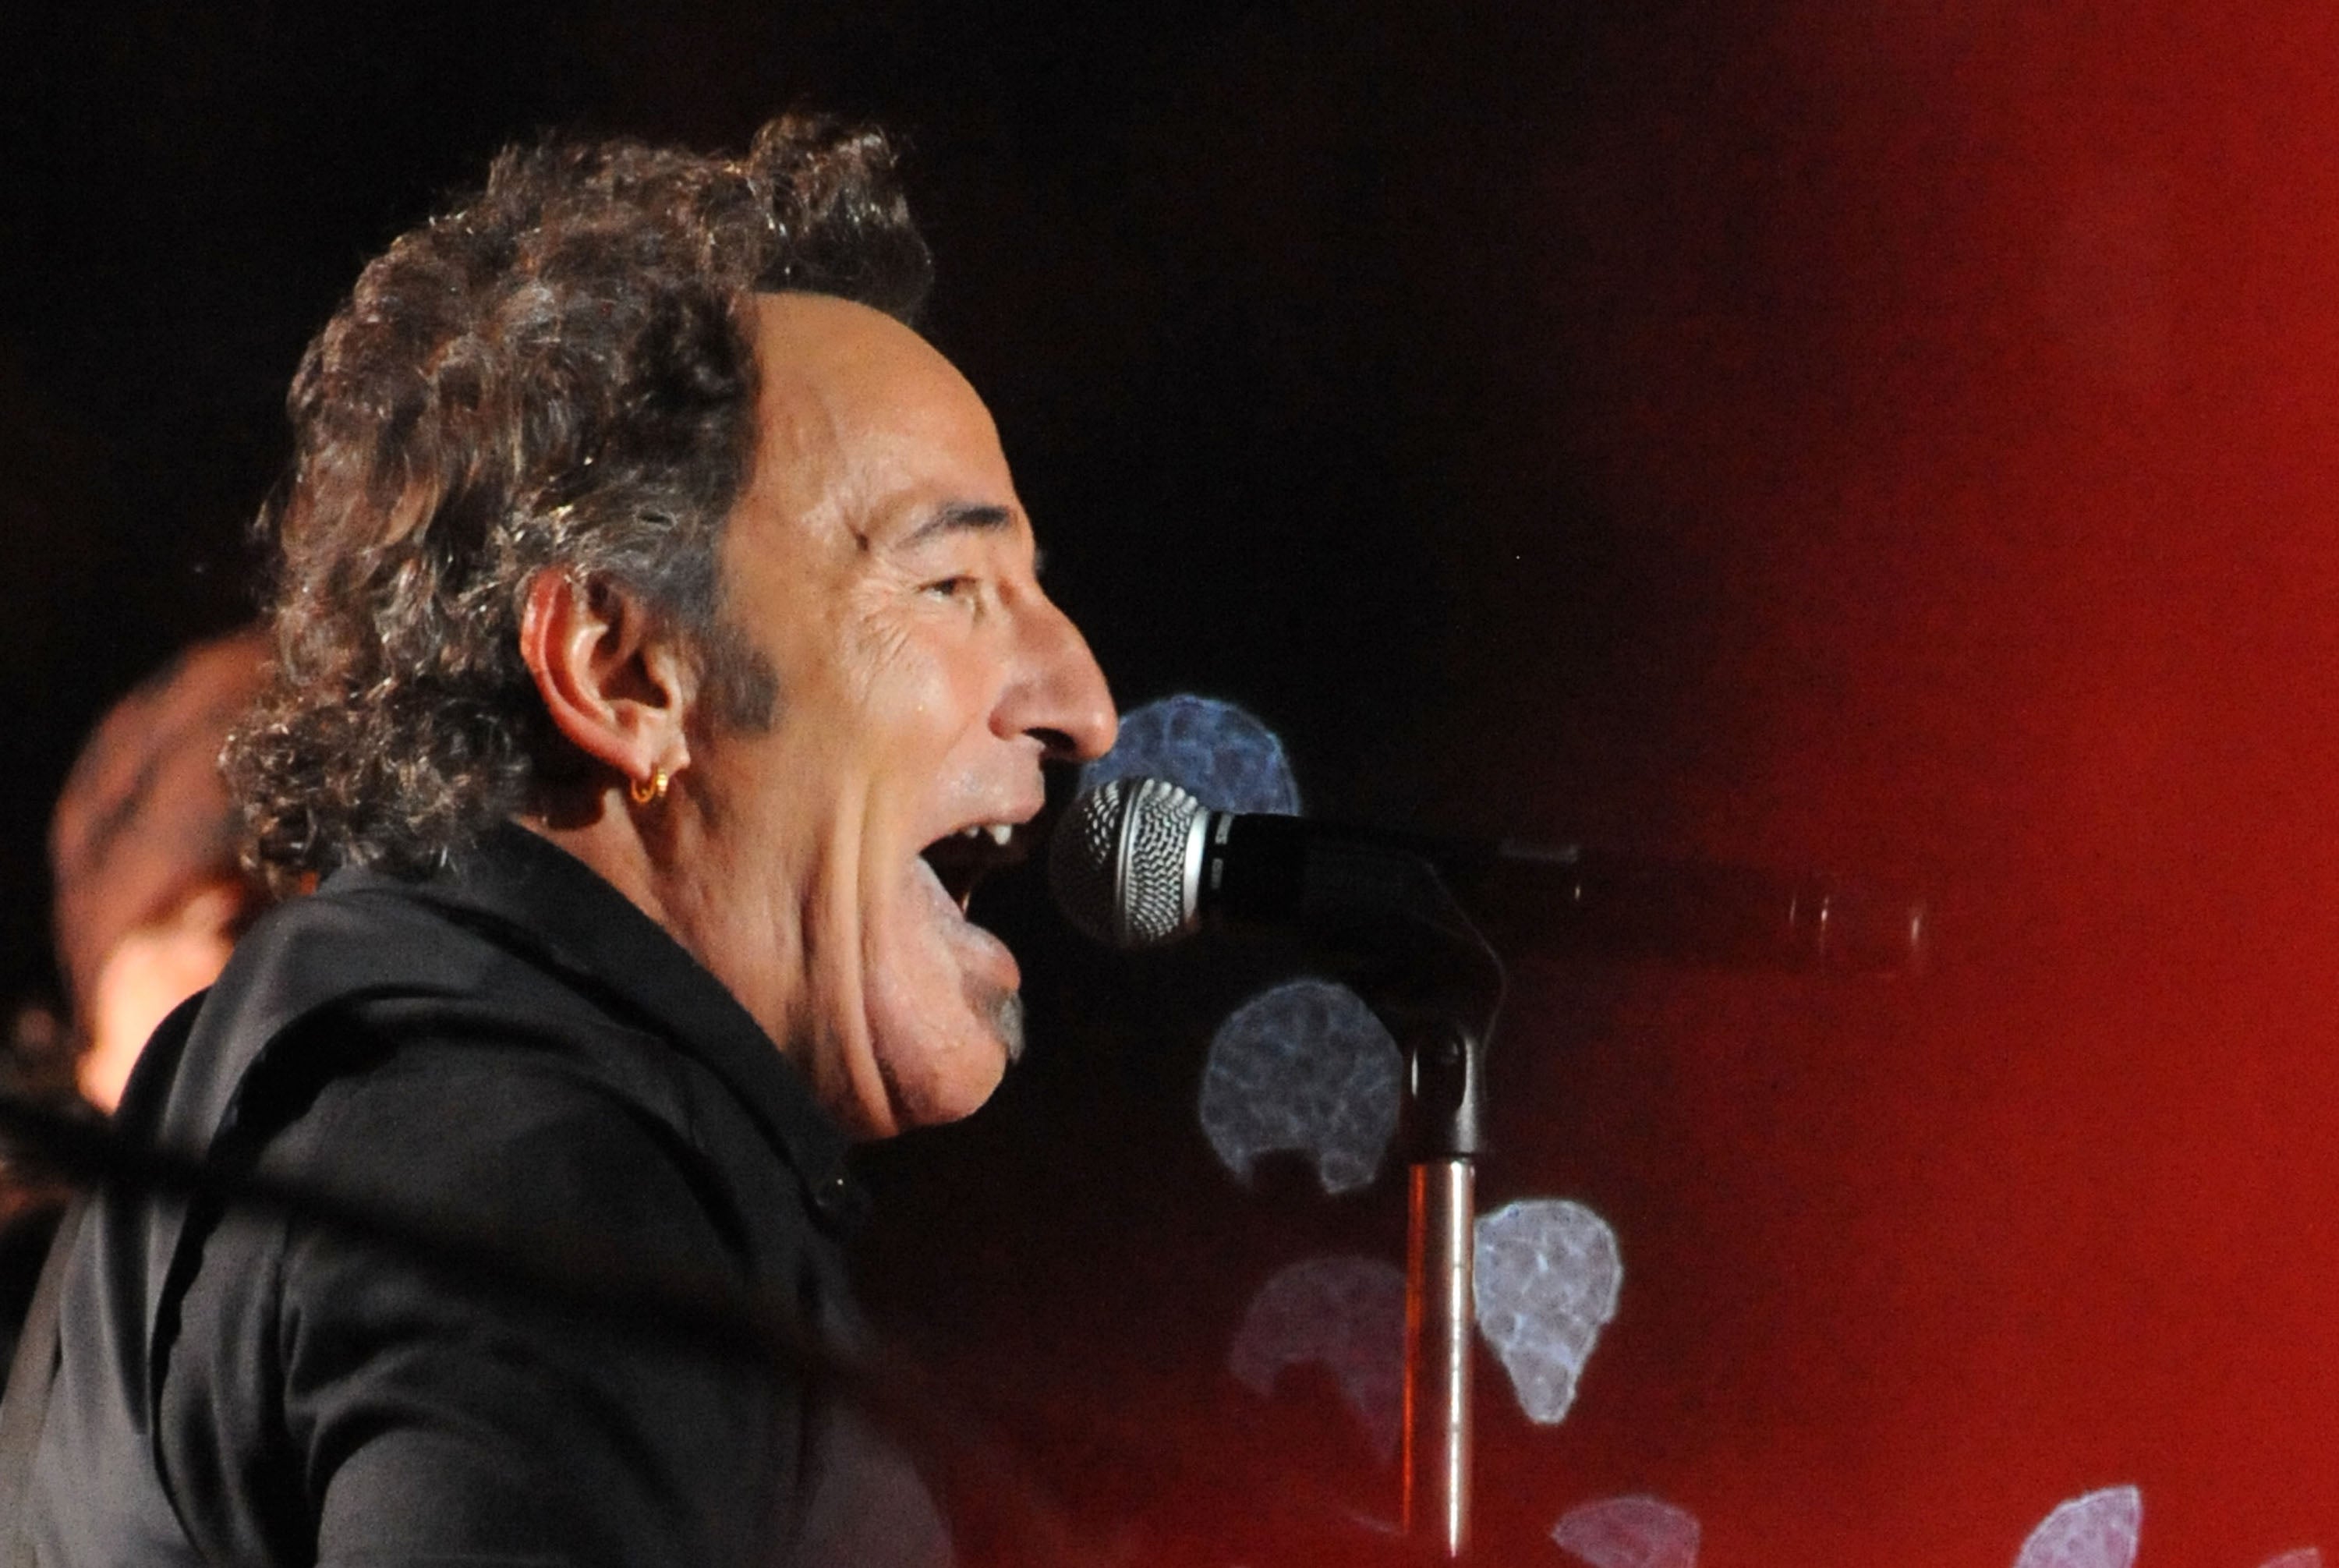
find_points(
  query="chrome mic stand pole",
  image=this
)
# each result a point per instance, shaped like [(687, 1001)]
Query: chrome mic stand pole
[(1442, 1105), (1438, 1317), (1438, 986)]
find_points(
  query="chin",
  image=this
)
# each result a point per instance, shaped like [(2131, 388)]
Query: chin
[(933, 1087)]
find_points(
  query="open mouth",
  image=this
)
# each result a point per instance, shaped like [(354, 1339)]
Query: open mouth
[(961, 859)]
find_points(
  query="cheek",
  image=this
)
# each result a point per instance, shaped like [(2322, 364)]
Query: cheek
[(149, 973), (870, 706), (923, 677)]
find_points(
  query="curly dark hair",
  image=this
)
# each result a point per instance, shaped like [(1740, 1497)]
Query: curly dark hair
[(557, 373)]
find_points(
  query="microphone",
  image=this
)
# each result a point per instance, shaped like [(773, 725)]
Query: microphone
[(1138, 862)]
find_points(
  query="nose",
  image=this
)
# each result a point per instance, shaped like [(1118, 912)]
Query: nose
[(1062, 700)]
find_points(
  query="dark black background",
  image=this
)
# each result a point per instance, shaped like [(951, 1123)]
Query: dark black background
[(1223, 271)]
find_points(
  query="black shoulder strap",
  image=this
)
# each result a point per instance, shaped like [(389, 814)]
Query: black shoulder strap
[(30, 1377)]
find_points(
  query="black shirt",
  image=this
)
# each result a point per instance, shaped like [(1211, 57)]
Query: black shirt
[(518, 1048)]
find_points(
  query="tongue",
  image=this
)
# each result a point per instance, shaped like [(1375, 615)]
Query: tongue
[(930, 880), (973, 943)]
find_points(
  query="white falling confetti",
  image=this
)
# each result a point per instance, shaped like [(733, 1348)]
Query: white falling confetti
[(1306, 1068), (1630, 1533), (1346, 1313), (1547, 1275), (2305, 1557), (2098, 1531)]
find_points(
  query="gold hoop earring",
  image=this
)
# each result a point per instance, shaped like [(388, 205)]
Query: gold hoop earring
[(650, 792)]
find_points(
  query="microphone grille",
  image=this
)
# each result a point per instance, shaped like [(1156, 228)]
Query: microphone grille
[(1123, 861)]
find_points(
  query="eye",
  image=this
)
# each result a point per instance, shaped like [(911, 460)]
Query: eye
[(966, 592)]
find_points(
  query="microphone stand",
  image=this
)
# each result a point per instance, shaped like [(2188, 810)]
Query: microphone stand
[(1440, 1233), (1439, 995)]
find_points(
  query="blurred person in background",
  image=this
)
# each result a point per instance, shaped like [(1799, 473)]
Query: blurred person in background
[(144, 848), (150, 896)]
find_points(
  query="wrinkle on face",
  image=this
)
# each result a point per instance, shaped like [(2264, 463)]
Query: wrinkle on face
[(879, 561)]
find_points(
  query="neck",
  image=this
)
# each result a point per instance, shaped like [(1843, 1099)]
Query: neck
[(655, 857), (596, 829)]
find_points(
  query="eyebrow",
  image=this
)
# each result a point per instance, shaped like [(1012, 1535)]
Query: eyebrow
[(961, 516)]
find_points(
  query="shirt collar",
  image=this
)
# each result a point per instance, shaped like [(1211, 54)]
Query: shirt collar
[(580, 924)]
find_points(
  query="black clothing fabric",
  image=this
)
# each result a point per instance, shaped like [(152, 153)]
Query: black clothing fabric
[(517, 1047), (24, 1244)]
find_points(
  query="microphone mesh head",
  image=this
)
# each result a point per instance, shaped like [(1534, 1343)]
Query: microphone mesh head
[(1118, 861)]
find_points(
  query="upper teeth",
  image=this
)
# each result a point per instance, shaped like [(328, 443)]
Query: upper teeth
[(1000, 831)]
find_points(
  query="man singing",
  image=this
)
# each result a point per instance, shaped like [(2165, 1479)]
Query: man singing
[(658, 661)]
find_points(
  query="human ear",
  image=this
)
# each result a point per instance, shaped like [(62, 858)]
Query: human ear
[(610, 673)]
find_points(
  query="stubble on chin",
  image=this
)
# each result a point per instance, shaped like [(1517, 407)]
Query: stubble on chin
[(1005, 1009)]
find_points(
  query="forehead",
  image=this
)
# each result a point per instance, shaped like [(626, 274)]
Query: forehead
[(860, 424)]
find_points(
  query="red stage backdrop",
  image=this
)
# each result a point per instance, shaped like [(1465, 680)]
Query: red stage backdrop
[(1967, 375)]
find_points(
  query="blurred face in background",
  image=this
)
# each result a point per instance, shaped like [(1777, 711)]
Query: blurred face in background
[(143, 853), (150, 970)]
